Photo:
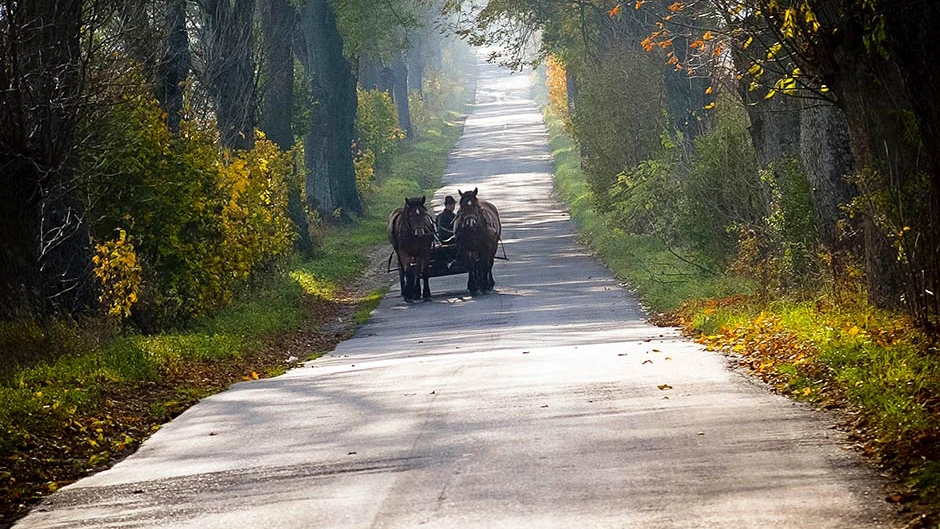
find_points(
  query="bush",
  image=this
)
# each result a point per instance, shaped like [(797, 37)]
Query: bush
[(721, 192), (198, 221), (618, 117)]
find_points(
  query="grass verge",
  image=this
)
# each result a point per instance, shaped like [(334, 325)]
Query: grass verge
[(874, 364), (99, 398)]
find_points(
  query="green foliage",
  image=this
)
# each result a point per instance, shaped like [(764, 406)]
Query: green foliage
[(201, 221), (662, 277), (378, 132), (645, 198), (618, 118), (722, 192)]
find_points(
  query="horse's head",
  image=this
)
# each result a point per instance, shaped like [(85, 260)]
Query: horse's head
[(469, 201), (416, 214), (469, 210)]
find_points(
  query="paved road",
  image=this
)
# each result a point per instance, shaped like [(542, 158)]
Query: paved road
[(534, 407)]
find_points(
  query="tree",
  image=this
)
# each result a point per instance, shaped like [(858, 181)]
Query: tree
[(331, 178), (230, 68), (44, 259)]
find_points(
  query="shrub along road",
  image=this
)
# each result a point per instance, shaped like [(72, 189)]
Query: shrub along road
[(548, 404)]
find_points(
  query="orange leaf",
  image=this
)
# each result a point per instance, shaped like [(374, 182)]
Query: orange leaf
[(708, 35), (677, 6), (639, 4), (648, 43), (613, 12), (697, 44), (709, 90)]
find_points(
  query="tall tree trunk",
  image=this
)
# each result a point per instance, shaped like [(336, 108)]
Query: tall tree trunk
[(230, 70), (871, 91), (331, 178), (44, 261), (173, 68), (369, 68), (277, 73), (278, 24), (400, 93), (416, 66), (826, 159), (912, 28)]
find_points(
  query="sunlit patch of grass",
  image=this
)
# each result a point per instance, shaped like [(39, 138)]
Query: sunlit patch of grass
[(368, 304)]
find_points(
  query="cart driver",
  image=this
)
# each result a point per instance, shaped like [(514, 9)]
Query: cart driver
[(445, 221)]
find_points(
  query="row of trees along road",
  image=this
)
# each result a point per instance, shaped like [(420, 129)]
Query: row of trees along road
[(151, 143), (763, 133)]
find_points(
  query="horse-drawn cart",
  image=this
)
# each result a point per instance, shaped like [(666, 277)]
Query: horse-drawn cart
[(421, 256), (445, 261)]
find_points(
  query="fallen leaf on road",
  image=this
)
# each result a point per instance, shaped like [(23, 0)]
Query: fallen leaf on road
[(668, 358), (664, 387), (647, 362), (623, 354)]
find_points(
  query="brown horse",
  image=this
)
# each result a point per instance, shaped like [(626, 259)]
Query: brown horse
[(478, 231), (411, 232)]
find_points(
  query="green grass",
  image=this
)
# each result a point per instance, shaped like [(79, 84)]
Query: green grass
[(661, 279)]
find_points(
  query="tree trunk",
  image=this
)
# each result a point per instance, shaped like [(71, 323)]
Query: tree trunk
[(278, 25), (416, 66), (230, 70), (44, 261), (876, 101), (826, 159), (400, 93), (331, 178), (277, 104), (174, 66)]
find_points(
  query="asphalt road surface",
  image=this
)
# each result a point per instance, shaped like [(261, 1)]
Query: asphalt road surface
[(538, 406)]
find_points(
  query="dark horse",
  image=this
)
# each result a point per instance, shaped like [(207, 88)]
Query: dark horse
[(411, 232), (478, 230)]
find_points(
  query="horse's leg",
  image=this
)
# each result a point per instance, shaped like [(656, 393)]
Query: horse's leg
[(409, 290), (426, 295), (490, 281)]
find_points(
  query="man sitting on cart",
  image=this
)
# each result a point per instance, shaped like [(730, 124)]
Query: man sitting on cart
[(445, 221)]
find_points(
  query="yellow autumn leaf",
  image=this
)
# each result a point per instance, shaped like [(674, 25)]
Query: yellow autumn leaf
[(854, 330), (710, 106), (254, 375), (709, 90), (613, 12)]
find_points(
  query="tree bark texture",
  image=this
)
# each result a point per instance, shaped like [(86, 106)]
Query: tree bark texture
[(173, 68), (44, 259), (416, 65), (278, 18), (230, 70), (826, 159), (278, 26), (331, 178), (400, 93)]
